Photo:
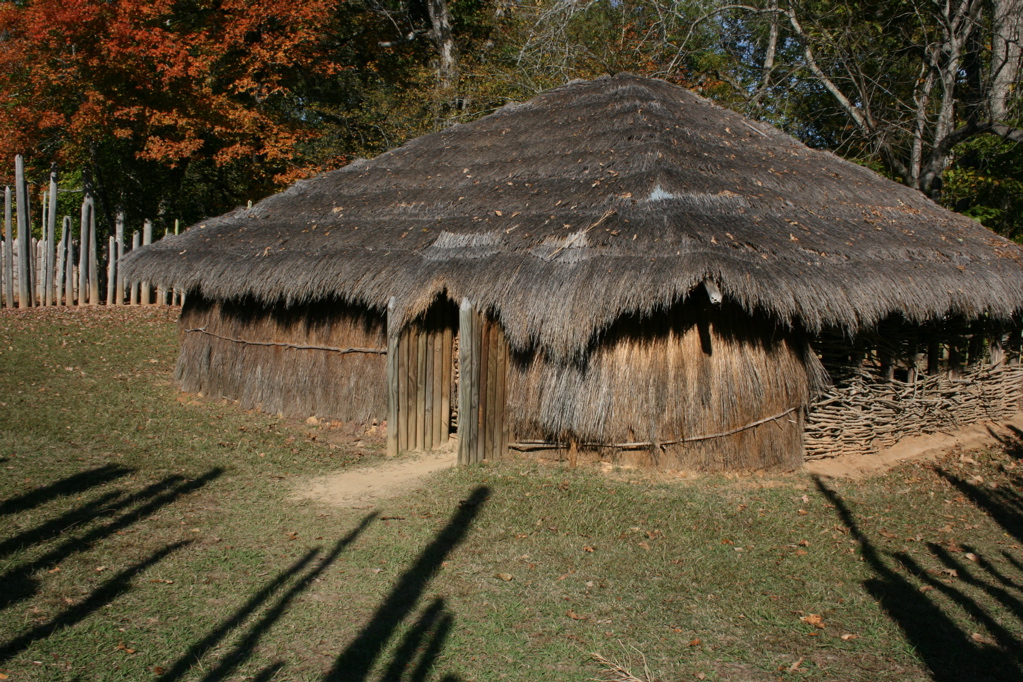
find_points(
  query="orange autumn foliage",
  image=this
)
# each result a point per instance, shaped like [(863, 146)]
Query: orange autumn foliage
[(171, 80)]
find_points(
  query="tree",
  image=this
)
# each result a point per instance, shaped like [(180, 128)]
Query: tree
[(902, 82), (149, 97)]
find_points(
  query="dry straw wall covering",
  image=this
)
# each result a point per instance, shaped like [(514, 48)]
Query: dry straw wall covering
[(321, 359)]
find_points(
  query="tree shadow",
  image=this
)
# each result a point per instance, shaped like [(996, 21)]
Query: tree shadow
[(72, 485), (1012, 442), (19, 583), (430, 631), (243, 650), (950, 653), (1002, 504), (103, 595)]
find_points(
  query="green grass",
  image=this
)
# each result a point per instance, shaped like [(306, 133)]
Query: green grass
[(149, 535)]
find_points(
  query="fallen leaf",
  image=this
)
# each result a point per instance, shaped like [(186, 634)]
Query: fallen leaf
[(981, 639), (971, 556), (795, 666), (645, 545), (846, 638), (813, 619), (55, 569), (802, 512), (589, 549), (100, 568), (695, 642), (926, 587), (503, 576), (803, 543), (801, 552), (159, 670), (574, 616)]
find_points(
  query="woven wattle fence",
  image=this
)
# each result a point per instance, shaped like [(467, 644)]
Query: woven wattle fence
[(865, 413)]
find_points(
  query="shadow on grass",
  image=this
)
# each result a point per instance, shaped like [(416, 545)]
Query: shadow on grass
[(1002, 504), (1012, 442), (430, 631), (241, 651), (20, 582), (103, 595), (949, 652), (72, 485)]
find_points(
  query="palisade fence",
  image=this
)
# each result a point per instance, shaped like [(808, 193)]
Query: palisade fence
[(70, 272)]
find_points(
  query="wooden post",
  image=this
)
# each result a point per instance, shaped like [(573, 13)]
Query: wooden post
[(111, 269), (119, 238), (69, 269), (445, 388), (429, 345), (161, 293), (482, 386), (83, 253), (134, 286), (93, 255), (8, 249), (65, 236), (392, 378), (401, 425), (467, 348), (421, 389), (411, 375), (437, 340), (177, 297), (51, 240), (933, 357), (147, 239), (997, 350), (24, 240), (502, 395)]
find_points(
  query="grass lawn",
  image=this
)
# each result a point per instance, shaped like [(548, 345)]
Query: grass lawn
[(149, 535)]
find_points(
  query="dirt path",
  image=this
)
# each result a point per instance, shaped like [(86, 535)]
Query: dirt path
[(922, 448), (363, 488)]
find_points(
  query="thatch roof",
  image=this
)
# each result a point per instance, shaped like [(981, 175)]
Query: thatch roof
[(597, 199)]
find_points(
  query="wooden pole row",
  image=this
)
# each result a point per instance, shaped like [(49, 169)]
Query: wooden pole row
[(47, 272), (483, 426), (419, 372)]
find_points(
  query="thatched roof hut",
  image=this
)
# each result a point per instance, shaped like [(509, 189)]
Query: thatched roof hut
[(635, 266)]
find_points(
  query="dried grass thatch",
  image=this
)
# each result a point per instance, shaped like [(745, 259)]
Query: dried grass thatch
[(663, 385), (286, 360), (595, 201)]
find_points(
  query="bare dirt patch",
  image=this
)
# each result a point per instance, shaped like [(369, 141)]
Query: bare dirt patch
[(928, 447), (363, 487)]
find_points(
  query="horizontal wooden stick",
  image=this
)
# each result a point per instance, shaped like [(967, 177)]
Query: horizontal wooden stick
[(296, 346), (543, 445)]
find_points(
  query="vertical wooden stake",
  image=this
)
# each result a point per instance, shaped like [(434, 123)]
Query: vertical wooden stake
[(93, 255), (503, 353), (65, 236), (111, 269), (428, 383), (119, 238), (24, 240), (421, 389), (83, 253), (466, 444), (445, 394), (439, 430), (147, 239), (412, 376), (52, 287), (392, 379), (161, 293), (134, 286), (69, 268), (8, 249), (401, 425)]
